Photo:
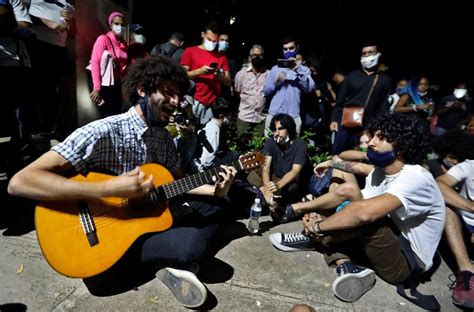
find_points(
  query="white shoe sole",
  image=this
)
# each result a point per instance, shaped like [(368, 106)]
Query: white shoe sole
[(351, 286), (185, 286), (275, 239)]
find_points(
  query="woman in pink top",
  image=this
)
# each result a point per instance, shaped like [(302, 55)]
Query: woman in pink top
[(107, 92)]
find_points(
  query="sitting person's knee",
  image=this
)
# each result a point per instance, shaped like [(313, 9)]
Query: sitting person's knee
[(348, 190)]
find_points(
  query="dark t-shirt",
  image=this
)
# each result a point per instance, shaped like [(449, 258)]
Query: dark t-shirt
[(283, 160), (452, 118), (355, 90)]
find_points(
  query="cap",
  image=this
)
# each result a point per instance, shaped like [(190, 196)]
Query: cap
[(136, 27)]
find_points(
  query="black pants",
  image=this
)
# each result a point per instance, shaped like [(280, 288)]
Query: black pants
[(190, 238)]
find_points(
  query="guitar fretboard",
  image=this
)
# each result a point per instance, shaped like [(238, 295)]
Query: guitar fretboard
[(188, 183)]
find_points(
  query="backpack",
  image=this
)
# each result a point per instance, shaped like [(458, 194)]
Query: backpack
[(162, 49)]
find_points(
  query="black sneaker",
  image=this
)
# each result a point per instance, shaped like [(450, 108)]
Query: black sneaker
[(289, 215), (184, 285), (291, 241), (353, 281)]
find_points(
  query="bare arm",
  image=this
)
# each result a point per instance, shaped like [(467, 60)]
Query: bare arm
[(346, 166), (357, 213), (353, 155), (451, 197), (290, 176), (204, 70), (225, 78), (401, 107), (44, 179)]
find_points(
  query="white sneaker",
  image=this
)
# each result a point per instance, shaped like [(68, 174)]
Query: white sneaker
[(184, 285), (353, 281)]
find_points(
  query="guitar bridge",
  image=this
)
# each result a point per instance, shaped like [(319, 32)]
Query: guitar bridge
[(87, 223)]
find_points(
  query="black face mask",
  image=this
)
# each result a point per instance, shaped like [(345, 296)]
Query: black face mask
[(257, 62), (152, 120)]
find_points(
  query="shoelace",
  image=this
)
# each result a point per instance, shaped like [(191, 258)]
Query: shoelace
[(466, 280), (295, 237)]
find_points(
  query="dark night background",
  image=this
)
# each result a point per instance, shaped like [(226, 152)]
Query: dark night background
[(428, 37)]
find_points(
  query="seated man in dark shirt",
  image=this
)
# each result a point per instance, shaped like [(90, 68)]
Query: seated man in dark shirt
[(286, 155), (453, 109)]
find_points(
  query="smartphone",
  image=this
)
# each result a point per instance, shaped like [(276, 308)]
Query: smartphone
[(213, 65), (284, 63)]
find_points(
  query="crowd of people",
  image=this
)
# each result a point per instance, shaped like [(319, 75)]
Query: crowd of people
[(379, 206)]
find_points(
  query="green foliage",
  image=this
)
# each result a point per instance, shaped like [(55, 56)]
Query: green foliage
[(252, 141), (317, 152)]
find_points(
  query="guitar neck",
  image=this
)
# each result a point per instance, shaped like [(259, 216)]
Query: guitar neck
[(188, 183)]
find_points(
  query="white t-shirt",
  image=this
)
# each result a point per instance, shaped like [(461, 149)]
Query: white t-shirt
[(464, 172), (421, 217), (50, 11)]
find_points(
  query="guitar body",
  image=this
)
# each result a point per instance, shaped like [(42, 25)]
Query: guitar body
[(71, 252)]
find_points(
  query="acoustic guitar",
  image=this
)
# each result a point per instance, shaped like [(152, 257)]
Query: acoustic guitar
[(86, 237)]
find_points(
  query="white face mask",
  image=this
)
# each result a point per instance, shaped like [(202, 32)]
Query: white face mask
[(140, 39), (460, 93), (369, 61), (447, 163), (226, 121), (209, 45), (223, 46), (118, 30)]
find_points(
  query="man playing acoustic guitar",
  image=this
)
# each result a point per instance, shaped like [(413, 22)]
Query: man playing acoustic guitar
[(117, 145)]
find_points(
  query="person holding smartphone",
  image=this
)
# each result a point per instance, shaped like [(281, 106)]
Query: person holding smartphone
[(285, 83), (208, 69)]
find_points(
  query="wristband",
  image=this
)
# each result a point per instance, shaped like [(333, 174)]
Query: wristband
[(316, 230)]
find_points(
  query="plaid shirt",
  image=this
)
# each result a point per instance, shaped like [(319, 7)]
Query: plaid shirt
[(118, 144)]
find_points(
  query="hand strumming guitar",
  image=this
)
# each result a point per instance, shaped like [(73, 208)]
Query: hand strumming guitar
[(129, 185)]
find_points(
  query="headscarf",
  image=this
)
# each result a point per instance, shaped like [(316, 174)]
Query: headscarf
[(112, 15)]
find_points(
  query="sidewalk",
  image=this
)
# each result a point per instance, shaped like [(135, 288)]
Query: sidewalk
[(248, 274)]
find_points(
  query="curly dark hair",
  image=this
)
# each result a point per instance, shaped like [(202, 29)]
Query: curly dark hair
[(151, 73), (457, 143), (408, 134)]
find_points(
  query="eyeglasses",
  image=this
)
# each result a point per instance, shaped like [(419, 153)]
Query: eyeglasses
[(289, 48), (369, 53)]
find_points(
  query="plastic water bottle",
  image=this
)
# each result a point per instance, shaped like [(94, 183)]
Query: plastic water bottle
[(255, 212)]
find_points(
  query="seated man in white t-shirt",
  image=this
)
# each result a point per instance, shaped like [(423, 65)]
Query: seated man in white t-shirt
[(463, 204), (396, 186)]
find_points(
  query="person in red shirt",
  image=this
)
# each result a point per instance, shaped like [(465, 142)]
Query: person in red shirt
[(208, 69)]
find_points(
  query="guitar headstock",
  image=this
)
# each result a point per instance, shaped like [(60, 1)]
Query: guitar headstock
[(252, 160)]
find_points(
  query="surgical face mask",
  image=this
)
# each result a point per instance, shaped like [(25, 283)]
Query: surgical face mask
[(290, 54), (370, 61), (381, 159), (152, 119), (118, 30), (363, 149), (401, 90), (447, 163), (209, 45), (223, 46), (460, 93), (140, 39), (257, 62)]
